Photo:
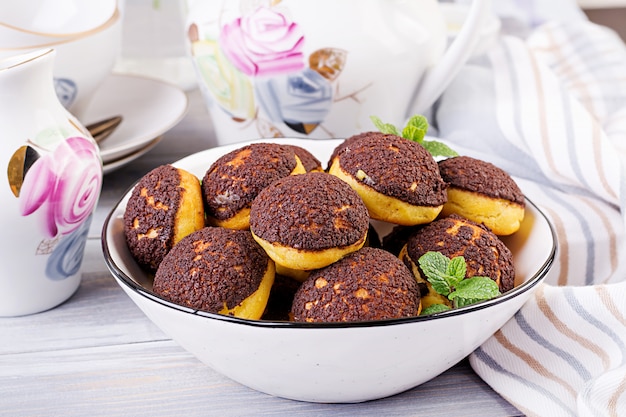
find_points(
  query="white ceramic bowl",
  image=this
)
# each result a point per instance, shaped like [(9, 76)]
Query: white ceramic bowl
[(57, 18), (336, 362), (82, 62)]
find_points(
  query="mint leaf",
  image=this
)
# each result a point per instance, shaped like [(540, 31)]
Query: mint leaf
[(443, 273), (415, 130), (434, 263), (434, 308), (387, 128), (456, 270), (462, 302), (472, 290), (419, 121), (437, 148), (434, 266), (413, 133)]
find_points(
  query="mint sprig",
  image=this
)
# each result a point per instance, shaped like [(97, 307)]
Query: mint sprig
[(415, 130), (447, 277)]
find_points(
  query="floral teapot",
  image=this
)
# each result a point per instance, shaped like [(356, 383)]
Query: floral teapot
[(322, 68)]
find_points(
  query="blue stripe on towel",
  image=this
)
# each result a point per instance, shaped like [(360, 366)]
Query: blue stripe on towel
[(481, 355), (572, 361), (568, 292)]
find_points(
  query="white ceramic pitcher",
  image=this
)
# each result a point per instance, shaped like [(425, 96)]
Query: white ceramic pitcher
[(53, 177), (321, 68)]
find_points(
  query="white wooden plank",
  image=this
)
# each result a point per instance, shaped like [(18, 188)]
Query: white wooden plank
[(99, 313), (159, 379)]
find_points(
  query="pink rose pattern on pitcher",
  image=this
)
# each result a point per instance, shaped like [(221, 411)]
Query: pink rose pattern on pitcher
[(61, 188), (255, 69)]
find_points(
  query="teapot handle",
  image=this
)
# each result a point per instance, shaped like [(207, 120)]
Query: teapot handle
[(437, 78)]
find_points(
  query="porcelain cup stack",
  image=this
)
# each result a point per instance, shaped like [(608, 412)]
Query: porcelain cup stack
[(85, 34)]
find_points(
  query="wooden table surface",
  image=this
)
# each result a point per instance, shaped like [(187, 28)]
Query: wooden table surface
[(98, 355)]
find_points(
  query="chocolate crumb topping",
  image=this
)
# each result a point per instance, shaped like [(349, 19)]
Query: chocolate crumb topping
[(393, 166), (484, 253), (150, 215), (210, 268), (348, 142), (312, 211), (481, 177), (234, 180), (369, 284)]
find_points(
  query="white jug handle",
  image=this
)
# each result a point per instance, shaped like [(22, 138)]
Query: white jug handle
[(437, 78)]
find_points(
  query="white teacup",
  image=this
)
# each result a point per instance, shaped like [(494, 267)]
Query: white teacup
[(321, 68), (82, 61), (12, 38), (57, 18)]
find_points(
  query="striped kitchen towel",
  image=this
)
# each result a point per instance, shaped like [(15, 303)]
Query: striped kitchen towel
[(550, 109)]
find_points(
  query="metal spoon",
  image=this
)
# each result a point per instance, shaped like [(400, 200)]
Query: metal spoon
[(102, 129)]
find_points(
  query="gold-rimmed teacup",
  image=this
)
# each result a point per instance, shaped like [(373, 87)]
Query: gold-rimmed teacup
[(82, 62), (70, 18)]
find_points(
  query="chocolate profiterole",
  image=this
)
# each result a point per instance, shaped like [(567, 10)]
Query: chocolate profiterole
[(308, 221), (234, 180), (309, 161), (485, 254), (397, 178), (369, 284), (482, 192), (165, 205), (217, 270), (372, 240)]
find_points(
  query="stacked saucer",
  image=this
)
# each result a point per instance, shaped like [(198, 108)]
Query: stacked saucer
[(148, 108)]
